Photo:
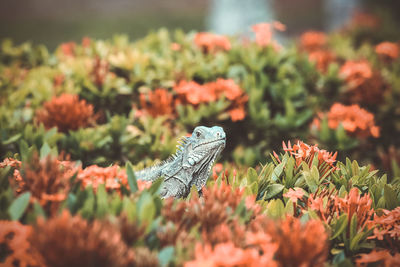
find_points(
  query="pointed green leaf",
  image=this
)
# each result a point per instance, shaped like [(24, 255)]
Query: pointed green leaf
[(272, 190), (44, 150), (132, 182), (166, 255), (340, 226), (18, 206)]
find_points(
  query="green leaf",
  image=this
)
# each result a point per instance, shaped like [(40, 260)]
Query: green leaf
[(390, 197), (278, 170), (166, 255), (156, 186), (44, 150), (275, 208), (272, 190), (18, 206), (252, 175), (102, 202), (340, 226), (12, 139), (133, 186), (39, 212), (146, 208), (353, 226)]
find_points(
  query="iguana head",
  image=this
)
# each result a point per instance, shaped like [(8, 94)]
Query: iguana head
[(202, 148)]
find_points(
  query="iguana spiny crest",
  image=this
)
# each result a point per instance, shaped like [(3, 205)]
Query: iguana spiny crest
[(190, 165)]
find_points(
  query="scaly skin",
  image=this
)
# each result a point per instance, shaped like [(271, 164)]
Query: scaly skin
[(191, 164)]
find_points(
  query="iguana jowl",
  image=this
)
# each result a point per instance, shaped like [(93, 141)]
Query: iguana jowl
[(190, 165)]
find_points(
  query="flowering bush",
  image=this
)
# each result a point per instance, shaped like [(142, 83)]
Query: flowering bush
[(115, 102)]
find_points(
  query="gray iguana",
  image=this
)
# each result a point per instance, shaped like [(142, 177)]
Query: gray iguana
[(190, 165)]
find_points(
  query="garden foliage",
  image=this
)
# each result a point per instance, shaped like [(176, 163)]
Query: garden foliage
[(76, 123)]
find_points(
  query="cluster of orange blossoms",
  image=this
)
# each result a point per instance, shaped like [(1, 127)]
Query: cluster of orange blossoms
[(388, 228), (264, 33), (314, 44), (364, 20), (383, 257), (387, 50), (15, 248), (210, 43), (66, 112), (355, 204), (112, 177), (306, 153), (364, 84), (261, 242), (161, 102), (355, 120)]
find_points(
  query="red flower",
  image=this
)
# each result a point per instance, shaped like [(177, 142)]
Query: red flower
[(66, 112), (211, 43), (313, 40), (322, 59), (68, 49), (356, 72), (294, 195), (157, 102), (382, 256), (355, 204), (111, 176), (355, 120), (306, 153), (15, 248), (175, 47), (387, 50), (86, 41), (264, 33)]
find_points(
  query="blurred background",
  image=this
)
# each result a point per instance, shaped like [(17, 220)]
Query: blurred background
[(53, 22)]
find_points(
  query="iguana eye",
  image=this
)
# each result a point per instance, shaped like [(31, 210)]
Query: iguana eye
[(197, 134)]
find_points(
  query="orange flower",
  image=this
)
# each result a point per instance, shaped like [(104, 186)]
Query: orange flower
[(322, 59), (10, 162), (354, 204), (313, 40), (226, 87), (356, 72), (157, 102), (237, 114), (264, 33), (175, 47), (99, 71), (355, 120), (227, 254), (362, 19), (111, 176), (364, 84), (195, 94), (15, 247), (323, 202), (86, 41), (299, 244), (211, 43), (66, 112), (388, 228), (68, 49), (387, 50), (48, 181), (294, 195), (73, 241), (383, 257), (306, 153)]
